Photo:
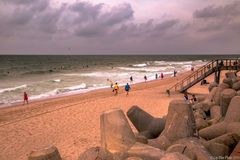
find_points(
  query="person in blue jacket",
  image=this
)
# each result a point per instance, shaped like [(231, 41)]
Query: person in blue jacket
[(127, 88)]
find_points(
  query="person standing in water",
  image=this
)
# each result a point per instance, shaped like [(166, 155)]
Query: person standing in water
[(25, 98), (116, 88), (156, 76), (145, 78), (127, 88)]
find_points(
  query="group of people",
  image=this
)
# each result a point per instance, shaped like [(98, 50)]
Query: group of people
[(190, 100), (127, 87), (115, 87)]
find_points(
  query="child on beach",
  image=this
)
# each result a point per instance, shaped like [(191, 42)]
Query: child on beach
[(25, 98), (115, 88), (127, 88)]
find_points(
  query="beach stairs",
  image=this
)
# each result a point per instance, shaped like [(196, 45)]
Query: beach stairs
[(214, 66)]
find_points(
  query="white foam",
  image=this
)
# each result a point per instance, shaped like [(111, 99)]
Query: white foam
[(73, 88), (60, 91), (57, 80), (44, 95), (104, 74), (145, 69), (140, 65), (13, 88)]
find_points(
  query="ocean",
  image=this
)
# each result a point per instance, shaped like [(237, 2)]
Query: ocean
[(44, 76)]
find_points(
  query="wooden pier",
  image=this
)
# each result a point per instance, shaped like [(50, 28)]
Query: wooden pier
[(214, 66)]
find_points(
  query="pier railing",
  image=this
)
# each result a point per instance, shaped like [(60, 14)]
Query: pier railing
[(214, 66)]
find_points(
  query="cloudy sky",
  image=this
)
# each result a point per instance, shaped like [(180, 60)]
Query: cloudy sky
[(119, 27)]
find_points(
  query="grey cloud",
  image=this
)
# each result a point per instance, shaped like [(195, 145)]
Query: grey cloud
[(19, 2), (166, 24), (89, 28), (232, 9), (118, 14), (148, 29), (26, 16), (47, 22), (102, 23), (217, 19), (86, 11)]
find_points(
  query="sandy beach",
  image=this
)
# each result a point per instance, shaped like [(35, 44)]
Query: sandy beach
[(71, 123)]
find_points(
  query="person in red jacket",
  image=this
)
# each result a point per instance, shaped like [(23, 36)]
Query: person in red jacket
[(25, 98)]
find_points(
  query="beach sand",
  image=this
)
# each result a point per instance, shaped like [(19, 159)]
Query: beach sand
[(72, 123)]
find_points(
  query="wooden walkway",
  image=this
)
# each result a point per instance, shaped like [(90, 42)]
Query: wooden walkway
[(214, 66)]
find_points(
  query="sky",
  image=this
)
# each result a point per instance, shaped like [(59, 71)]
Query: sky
[(119, 27)]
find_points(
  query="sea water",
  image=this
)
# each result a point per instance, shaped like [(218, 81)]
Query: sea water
[(46, 76)]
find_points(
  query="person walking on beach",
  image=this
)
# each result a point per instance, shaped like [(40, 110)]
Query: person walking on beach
[(192, 68), (25, 98), (161, 75), (127, 88), (174, 73), (145, 78), (131, 79), (111, 83), (115, 88)]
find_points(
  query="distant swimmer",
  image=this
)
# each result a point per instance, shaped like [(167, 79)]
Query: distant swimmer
[(156, 76), (145, 78), (127, 88), (111, 83), (25, 98), (115, 88)]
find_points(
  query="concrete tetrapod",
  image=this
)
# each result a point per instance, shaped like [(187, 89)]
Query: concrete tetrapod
[(46, 153), (180, 124), (231, 75), (236, 86), (233, 112), (116, 133), (174, 156), (196, 147), (146, 124), (118, 138), (230, 123), (228, 139), (228, 81), (180, 148), (145, 152), (225, 99), (96, 153)]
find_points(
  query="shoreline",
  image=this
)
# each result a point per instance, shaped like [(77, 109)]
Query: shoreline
[(80, 92)]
